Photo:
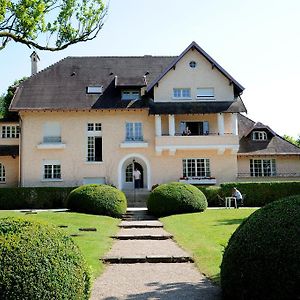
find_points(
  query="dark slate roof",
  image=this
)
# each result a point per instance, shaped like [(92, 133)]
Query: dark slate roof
[(9, 150), (274, 145), (238, 88), (63, 85), (137, 81), (195, 107)]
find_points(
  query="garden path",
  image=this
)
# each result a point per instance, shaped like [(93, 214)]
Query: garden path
[(145, 263)]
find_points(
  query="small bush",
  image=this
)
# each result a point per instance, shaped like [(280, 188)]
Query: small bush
[(176, 198), (262, 193), (262, 258), (34, 197), (99, 199), (37, 261), (211, 193)]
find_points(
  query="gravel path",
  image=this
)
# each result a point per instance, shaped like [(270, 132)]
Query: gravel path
[(153, 281)]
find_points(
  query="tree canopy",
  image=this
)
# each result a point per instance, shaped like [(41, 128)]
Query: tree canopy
[(50, 24), (292, 140)]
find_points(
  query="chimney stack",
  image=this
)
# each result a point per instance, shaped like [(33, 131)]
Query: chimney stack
[(34, 60)]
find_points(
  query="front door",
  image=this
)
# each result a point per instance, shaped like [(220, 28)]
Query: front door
[(129, 178)]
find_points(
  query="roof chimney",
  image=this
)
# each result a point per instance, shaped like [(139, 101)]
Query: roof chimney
[(34, 60)]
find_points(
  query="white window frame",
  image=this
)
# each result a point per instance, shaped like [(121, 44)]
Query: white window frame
[(93, 130), (259, 136), (261, 172), (2, 173), (53, 164), (194, 165), (207, 93), (10, 131), (128, 95), (134, 132), (178, 94)]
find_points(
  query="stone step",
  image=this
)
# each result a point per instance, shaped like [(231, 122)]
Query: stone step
[(142, 237), (141, 224), (142, 234), (134, 259)]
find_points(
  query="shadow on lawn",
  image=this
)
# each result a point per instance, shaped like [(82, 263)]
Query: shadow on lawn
[(178, 290), (230, 221)]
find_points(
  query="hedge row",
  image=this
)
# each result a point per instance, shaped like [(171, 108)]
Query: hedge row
[(34, 197), (257, 193)]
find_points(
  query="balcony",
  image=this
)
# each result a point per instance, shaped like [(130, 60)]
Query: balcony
[(51, 142), (200, 142), (271, 177)]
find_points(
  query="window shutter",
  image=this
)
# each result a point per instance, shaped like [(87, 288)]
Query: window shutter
[(205, 128), (52, 132)]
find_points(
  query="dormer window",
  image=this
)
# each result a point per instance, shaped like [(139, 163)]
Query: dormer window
[(130, 95), (259, 136), (181, 93), (94, 89)]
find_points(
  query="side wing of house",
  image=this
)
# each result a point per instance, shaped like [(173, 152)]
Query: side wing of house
[(264, 155)]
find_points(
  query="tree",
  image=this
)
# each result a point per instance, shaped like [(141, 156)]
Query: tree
[(50, 24), (292, 140), (5, 99)]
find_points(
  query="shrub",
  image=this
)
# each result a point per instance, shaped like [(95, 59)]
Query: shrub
[(211, 193), (99, 199), (175, 198), (262, 258), (37, 261), (262, 193), (34, 197)]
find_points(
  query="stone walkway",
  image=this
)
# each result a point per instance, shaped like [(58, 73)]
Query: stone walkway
[(145, 263)]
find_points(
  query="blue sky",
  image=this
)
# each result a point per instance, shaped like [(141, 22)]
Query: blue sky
[(256, 41)]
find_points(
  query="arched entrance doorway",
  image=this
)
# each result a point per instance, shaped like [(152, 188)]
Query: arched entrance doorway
[(126, 171)]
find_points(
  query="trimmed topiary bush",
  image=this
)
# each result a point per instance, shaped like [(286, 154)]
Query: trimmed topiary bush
[(176, 198), (37, 261), (99, 199), (262, 258)]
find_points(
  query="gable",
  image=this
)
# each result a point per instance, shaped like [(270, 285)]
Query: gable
[(203, 75)]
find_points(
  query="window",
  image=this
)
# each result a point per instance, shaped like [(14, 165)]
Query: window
[(262, 167), (196, 167), (94, 126), (10, 132), (205, 93), (52, 171), (194, 128), (94, 150), (259, 136), (94, 89), (131, 95), (94, 142), (182, 93), (193, 64), (2, 173), (128, 173), (51, 131), (134, 132)]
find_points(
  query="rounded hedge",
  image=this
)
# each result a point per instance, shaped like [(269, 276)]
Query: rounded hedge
[(176, 198), (37, 261), (99, 199), (262, 258)]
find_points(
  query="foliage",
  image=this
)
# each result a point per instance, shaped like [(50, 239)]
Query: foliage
[(211, 193), (205, 235), (92, 244), (262, 258), (5, 99), (60, 22), (175, 198), (262, 193), (100, 199), (292, 140), (33, 197), (37, 261)]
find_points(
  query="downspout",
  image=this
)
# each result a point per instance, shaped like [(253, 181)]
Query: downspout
[(20, 152)]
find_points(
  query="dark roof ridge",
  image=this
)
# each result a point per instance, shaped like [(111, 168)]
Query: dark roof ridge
[(120, 56)]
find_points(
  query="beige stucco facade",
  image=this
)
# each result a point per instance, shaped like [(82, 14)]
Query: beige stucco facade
[(159, 166)]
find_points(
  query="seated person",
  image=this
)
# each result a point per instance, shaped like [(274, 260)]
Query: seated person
[(238, 196), (186, 131)]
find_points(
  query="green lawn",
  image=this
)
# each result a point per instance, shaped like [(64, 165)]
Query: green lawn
[(92, 244), (204, 235)]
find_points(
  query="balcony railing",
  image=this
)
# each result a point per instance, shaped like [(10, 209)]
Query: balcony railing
[(198, 180), (51, 139)]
